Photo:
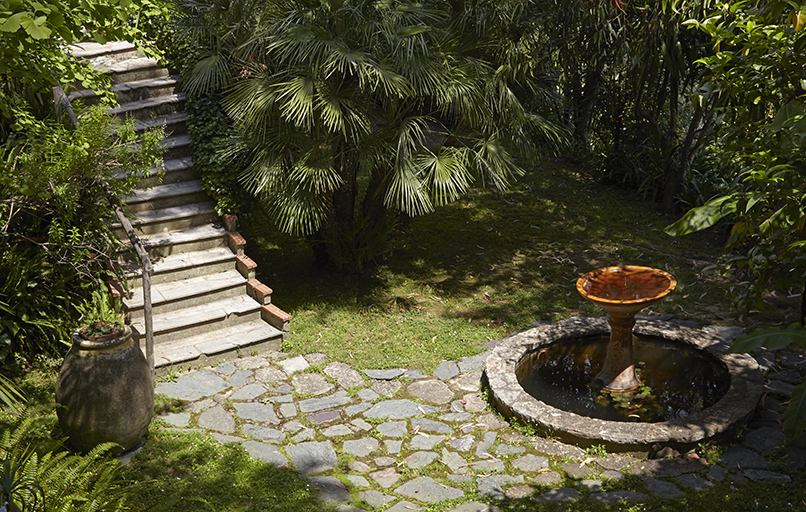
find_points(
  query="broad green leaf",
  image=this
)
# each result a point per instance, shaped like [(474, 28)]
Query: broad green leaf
[(800, 18), (36, 27), (789, 111), (795, 414), (703, 216), (12, 24), (772, 339), (412, 30)]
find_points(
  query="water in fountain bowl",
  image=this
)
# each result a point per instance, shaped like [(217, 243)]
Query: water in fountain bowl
[(676, 380)]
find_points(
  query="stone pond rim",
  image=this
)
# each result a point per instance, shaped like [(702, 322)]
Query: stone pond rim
[(732, 411)]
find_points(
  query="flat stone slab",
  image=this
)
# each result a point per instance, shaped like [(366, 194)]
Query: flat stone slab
[(765, 439), (386, 388), (548, 478), (331, 490), (239, 378), (447, 370), (426, 425), (360, 447), (375, 499), (256, 412), (386, 477), (312, 457), (531, 463), (558, 495), (393, 429), (392, 446), (616, 496), (265, 452), (344, 375), (760, 475), (694, 482), (177, 419), (248, 392), (270, 375), (559, 449), (667, 468), (468, 382), (427, 489), (267, 434), (425, 442), (490, 487), (328, 402), (193, 386), (337, 430), (293, 365), (217, 419), (745, 458), (320, 418), (433, 391), (311, 383), (473, 363), (421, 459), (461, 444), (661, 488), (398, 409), (383, 374), (454, 461), (474, 402)]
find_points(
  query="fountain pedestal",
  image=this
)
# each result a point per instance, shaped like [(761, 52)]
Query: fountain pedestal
[(623, 292), (618, 372)]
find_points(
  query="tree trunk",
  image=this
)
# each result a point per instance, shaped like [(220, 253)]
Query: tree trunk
[(696, 135)]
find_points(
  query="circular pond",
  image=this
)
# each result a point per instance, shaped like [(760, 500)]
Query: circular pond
[(729, 394)]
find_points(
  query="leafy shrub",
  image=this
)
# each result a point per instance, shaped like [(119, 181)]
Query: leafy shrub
[(55, 244), (48, 479)]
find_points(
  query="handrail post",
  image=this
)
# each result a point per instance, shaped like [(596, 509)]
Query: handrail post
[(137, 245)]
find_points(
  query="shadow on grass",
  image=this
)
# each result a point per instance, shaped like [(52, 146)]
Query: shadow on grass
[(190, 471)]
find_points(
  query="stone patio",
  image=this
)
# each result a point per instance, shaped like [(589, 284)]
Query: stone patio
[(406, 440)]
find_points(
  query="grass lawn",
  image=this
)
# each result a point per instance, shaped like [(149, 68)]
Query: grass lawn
[(477, 270), (490, 265)]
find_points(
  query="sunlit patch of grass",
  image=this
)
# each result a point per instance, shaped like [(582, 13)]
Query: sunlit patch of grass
[(488, 265)]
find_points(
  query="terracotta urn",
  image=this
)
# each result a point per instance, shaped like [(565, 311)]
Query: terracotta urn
[(104, 392)]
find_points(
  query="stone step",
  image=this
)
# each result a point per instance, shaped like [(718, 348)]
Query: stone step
[(181, 241), (221, 344), (199, 320), (169, 219), (173, 124), (107, 53), (179, 294), (177, 146), (176, 267), (150, 107), (165, 196), (132, 91), (131, 70), (175, 170)]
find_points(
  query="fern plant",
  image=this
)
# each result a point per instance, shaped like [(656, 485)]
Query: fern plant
[(48, 479)]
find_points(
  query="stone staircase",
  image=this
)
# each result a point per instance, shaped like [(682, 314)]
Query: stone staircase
[(207, 304)]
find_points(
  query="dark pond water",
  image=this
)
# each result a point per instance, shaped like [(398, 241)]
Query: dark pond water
[(676, 379)]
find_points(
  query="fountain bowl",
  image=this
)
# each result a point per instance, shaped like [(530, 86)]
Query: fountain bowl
[(733, 410), (625, 290)]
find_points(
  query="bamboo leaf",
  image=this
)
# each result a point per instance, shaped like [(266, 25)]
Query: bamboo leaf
[(703, 216), (795, 414), (772, 339)]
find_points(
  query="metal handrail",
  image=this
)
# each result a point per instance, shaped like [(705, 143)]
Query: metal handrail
[(137, 245)]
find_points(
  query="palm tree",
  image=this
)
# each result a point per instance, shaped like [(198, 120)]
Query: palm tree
[(347, 113)]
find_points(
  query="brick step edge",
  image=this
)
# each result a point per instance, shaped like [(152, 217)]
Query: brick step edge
[(276, 317)]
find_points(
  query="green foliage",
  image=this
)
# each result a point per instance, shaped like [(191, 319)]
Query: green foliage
[(54, 242), (776, 339), (42, 478), (34, 39), (101, 315), (344, 112), (755, 79)]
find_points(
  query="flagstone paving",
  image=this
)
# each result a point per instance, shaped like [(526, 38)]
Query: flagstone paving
[(403, 440)]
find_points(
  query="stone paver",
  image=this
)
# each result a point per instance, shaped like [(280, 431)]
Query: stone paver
[(406, 439), (427, 489)]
